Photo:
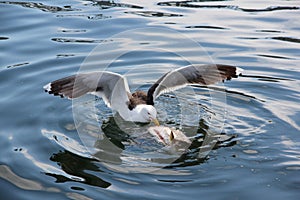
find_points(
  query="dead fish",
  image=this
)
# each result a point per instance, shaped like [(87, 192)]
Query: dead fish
[(170, 137)]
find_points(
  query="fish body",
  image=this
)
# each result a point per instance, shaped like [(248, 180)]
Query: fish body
[(170, 137)]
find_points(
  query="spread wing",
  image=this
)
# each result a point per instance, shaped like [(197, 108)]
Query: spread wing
[(192, 74), (112, 87)]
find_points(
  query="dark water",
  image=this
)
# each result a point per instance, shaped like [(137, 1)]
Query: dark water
[(256, 115)]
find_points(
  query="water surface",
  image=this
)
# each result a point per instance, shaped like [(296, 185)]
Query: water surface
[(42, 155)]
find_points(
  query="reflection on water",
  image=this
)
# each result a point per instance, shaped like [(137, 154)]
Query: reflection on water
[(154, 14), (40, 6), (190, 4), (77, 166), (255, 141), (287, 39), (65, 40), (109, 4), (126, 145)]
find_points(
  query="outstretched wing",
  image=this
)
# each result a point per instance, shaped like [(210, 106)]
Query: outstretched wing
[(192, 74), (112, 87)]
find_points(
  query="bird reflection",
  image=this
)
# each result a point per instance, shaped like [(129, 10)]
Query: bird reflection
[(79, 167), (86, 170), (204, 136)]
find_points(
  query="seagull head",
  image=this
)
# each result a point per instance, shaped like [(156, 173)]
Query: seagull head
[(148, 113)]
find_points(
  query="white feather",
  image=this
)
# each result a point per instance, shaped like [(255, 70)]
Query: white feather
[(47, 87), (238, 71)]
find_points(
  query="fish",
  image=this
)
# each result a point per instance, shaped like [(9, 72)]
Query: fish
[(170, 137)]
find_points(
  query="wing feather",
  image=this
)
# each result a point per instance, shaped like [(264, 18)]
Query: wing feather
[(103, 84), (192, 74)]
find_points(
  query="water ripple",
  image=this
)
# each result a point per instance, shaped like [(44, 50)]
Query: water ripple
[(273, 56), (4, 38), (189, 4), (40, 6), (17, 65), (41, 153), (78, 40), (111, 4), (206, 27), (287, 39), (25, 184), (154, 14)]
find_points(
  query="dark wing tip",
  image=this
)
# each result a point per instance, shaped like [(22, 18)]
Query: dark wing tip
[(49, 90), (62, 87), (228, 72)]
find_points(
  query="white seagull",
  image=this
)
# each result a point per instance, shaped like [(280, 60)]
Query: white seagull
[(138, 106)]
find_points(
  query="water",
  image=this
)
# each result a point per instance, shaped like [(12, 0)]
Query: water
[(41, 152)]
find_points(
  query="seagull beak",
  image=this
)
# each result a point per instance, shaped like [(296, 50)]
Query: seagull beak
[(156, 122)]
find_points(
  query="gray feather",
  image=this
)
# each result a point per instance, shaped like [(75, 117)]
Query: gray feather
[(192, 74), (103, 84)]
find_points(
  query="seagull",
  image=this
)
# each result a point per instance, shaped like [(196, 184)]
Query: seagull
[(139, 105)]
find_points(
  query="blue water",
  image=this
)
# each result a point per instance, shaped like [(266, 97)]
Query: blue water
[(256, 116)]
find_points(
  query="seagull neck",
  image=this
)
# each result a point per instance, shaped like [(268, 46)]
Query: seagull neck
[(136, 114)]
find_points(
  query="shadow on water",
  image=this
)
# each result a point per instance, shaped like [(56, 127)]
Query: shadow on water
[(191, 157), (77, 166)]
